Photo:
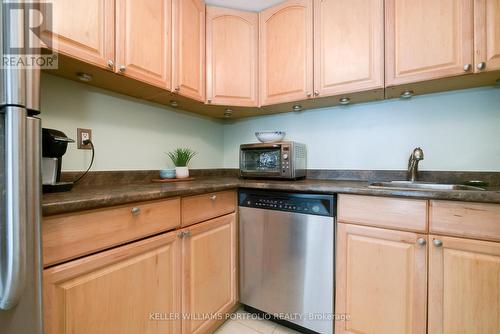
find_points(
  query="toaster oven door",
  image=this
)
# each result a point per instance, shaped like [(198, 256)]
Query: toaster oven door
[(261, 162)]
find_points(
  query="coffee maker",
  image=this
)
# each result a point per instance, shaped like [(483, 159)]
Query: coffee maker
[(54, 145)]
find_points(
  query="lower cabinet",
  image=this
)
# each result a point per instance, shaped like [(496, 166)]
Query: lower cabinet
[(381, 281), (386, 278), (126, 290), (209, 282), (464, 286), (179, 282)]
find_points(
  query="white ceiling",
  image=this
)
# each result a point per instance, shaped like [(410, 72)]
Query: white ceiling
[(251, 5)]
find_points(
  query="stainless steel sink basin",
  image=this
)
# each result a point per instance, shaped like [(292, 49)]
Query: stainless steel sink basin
[(421, 186)]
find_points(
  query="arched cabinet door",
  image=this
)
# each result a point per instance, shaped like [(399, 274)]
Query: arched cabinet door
[(232, 57), (286, 52)]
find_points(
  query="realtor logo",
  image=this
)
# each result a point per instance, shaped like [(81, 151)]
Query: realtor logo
[(22, 45)]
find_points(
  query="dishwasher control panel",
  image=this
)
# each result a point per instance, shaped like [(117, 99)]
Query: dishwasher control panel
[(314, 204)]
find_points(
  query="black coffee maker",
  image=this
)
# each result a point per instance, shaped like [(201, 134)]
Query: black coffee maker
[(54, 145)]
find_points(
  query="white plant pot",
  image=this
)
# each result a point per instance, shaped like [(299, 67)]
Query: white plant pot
[(181, 172)]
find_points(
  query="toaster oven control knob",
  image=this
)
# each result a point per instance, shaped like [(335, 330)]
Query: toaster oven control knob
[(285, 156)]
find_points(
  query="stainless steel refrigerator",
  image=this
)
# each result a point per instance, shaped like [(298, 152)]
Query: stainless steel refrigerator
[(20, 195)]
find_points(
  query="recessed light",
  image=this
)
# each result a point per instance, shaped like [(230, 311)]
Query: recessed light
[(344, 100), (228, 113), (407, 94), (85, 77), (297, 107), (174, 103)]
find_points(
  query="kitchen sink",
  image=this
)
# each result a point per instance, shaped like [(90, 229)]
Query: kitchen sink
[(421, 186)]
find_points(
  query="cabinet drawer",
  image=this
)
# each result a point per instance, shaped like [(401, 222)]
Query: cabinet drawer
[(474, 220), (393, 213), (73, 235), (196, 209)]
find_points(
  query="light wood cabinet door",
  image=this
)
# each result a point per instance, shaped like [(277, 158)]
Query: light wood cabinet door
[(381, 281), (128, 290), (143, 40), (84, 30), (348, 46), (209, 283), (487, 35), (286, 52), (189, 48), (427, 39), (232, 57), (464, 286)]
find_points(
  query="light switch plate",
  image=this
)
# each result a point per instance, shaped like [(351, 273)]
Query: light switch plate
[(81, 135)]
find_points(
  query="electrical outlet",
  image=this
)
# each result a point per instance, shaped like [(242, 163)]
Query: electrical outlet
[(82, 135)]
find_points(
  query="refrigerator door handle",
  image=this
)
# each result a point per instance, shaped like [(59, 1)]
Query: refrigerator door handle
[(13, 263)]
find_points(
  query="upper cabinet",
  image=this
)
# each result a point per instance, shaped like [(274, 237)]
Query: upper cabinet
[(286, 52), (427, 39), (232, 57), (348, 46), (84, 30), (487, 35), (314, 53), (189, 48), (143, 40)]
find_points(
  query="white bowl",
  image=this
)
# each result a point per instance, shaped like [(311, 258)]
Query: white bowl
[(270, 136)]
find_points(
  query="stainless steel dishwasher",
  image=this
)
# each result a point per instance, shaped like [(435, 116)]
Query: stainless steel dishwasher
[(287, 257)]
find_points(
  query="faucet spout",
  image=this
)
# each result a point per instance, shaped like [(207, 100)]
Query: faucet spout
[(415, 158)]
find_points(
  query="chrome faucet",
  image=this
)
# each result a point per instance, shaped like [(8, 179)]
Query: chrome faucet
[(415, 157)]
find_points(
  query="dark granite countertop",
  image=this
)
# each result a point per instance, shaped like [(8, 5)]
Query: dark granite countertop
[(93, 197)]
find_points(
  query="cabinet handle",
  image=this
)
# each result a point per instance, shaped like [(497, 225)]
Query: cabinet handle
[(421, 241), (111, 64), (187, 234), (481, 66), (437, 242), (213, 197), (135, 211), (309, 94), (122, 68), (180, 234), (316, 93), (177, 88), (209, 101), (467, 67)]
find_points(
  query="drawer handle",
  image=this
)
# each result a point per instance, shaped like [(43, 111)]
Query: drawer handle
[(135, 211), (184, 234), (421, 241), (437, 242), (213, 197)]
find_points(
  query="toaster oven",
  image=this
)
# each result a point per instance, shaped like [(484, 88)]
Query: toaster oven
[(283, 160)]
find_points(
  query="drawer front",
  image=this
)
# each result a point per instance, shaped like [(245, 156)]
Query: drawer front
[(199, 208), (394, 213), (73, 235), (473, 220)]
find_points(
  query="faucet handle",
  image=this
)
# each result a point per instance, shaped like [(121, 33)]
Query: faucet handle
[(418, 154)]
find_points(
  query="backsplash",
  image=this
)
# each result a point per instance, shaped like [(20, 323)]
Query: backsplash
[(457, 130), (128, 134)]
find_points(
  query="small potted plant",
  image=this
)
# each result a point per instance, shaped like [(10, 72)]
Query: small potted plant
[(181, 157)]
